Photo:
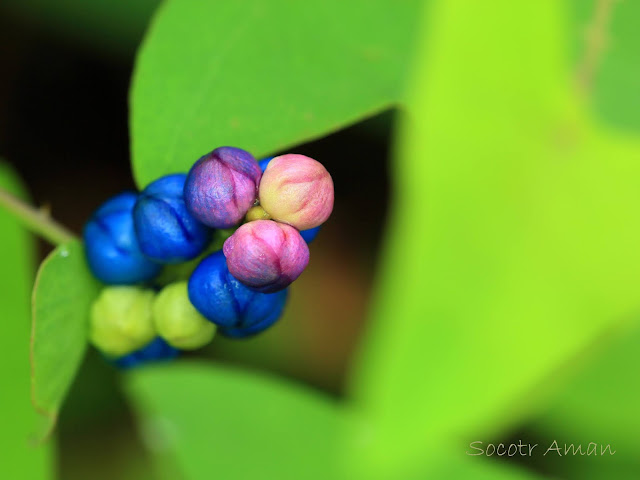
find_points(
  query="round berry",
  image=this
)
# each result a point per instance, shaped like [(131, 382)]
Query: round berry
[(310, 235), (256, 213), (154, 351), (166, 231), (111, 247), (222, 299), (222, 186), (265, 255), (297, 190), (178, 322), (120, 320), (264, 162)]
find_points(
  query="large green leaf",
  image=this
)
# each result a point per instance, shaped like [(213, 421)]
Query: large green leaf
[(18, 420), (225, 423), (62, 295), (261, 75), (513, 239)]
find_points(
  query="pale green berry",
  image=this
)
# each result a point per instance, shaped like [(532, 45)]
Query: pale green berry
[(178, 322), (121, 321)]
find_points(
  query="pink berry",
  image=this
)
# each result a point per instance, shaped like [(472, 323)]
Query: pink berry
[(265, 255), (297, 190)]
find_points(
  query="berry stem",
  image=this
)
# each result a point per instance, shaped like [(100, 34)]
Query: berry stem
[(39, 221)]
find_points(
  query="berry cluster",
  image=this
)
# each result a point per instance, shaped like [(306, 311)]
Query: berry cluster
[(214, 249)]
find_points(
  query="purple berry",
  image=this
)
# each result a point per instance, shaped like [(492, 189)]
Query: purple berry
[(222, 186)]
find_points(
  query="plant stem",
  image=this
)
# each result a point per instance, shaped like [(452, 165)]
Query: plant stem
[(38, 221), (595, 43)]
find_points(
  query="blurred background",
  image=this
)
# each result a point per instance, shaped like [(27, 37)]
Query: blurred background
[(66, 70)]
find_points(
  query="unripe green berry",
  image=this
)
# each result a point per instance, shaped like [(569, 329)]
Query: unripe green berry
[(177, 320), (121, 320), (257, 213)]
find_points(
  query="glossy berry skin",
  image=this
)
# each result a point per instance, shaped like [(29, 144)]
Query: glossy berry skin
[(222, 186), (266, 255), (310, 235), (166, 231), (297, 190), (155, 351), (111, 246), (222, 299)]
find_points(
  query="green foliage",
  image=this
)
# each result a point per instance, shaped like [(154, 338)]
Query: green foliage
[(232, 424), (19, 458), (526, 248), (261, 75), (63, 293), (601, 405), (455, 467)]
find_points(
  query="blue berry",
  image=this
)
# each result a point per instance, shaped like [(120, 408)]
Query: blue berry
[(167, 232), (154, 351), (264, 162), (111, 247), (310, 234), (222, 299)]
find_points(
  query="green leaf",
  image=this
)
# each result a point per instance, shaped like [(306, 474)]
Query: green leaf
[(62, 296), (453, 466), (230, 424), (18, 420), (513, 241), (600, 405), (261, 75)]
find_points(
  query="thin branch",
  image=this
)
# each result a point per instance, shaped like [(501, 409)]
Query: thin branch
[(38, 221), (596, 41)]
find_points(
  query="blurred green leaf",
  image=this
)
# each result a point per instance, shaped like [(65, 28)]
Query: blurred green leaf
[(18, 420), (617, 467), (456, 467), (63, 293), (617, 80), (261, 75), (601, 405), (230, 424), (513, 243)]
